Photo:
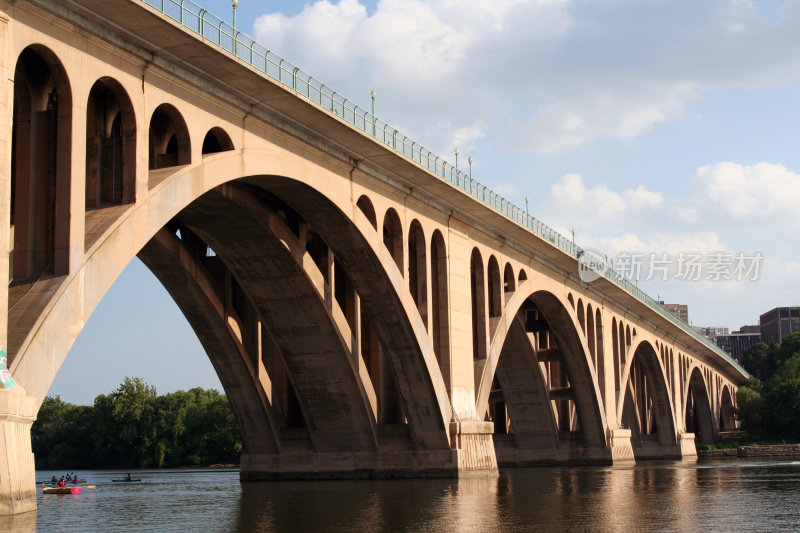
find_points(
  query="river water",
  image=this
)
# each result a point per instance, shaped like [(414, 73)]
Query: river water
[(730, 495)]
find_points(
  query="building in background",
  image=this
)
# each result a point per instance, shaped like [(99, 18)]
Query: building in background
[(738, 342), (679, 310), (778, 323), (712, 331)]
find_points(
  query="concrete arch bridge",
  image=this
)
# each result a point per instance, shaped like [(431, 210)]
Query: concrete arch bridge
[(370, 310)]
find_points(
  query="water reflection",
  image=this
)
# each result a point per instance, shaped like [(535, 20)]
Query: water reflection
[(382, 505), (729, 496)]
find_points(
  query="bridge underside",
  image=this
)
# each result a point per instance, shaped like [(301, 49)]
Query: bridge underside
[(317, 391)]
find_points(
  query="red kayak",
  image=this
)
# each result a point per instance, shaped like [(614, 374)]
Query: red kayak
[(52, 489)]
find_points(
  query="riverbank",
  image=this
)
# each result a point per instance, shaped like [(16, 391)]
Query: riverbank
[(766, 450)]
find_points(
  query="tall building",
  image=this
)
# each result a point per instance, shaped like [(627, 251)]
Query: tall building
[(679, 310), (738, 342), (778, 323)]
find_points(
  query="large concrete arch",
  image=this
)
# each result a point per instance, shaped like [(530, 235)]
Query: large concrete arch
[(61, 319), (382, 290), (575, 352), (385, 296), (339, 418), (534, 436), (644, 354), (727, 421), (697, 412)]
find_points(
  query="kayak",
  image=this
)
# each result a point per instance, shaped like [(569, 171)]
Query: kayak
[(50, 489), (125, 480)]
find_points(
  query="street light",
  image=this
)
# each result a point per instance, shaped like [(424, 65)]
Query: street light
[(372, 95), (456, 152), (526, 206), (234, 4), (469, 160)]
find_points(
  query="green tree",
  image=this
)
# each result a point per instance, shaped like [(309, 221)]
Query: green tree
[(750, 405), (133, 427), (789, 347), (781, 411), (759, 361), (57, 437), (133, 415)]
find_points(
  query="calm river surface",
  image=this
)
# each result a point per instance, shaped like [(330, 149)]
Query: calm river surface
[(733, 495)]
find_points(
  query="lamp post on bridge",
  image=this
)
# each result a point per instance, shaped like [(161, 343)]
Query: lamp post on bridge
[(469, 160), (234, 4), (372, 95), (526, 207), (456, 152)]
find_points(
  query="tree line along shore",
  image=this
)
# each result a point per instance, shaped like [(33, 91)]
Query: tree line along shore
[(133, 427)]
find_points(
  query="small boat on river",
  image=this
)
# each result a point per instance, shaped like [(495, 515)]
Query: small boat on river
[(52, 489), (126, 480)]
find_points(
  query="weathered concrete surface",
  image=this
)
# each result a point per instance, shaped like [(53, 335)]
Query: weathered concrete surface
[(17, 471)]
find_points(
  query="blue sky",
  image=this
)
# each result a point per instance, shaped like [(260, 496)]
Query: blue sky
[(646, 126)]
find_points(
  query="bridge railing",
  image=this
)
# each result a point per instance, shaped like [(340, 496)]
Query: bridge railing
[(222, 34)]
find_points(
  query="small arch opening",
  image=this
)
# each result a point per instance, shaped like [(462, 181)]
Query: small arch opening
[(216, 140)]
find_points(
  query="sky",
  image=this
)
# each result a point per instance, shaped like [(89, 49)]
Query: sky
[(661, 131)]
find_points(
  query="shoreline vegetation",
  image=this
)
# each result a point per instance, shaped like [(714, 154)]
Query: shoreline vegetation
[(767, 406), (133, 427)]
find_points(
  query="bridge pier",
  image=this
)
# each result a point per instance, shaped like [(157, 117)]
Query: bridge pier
[(686, 445), (17, 470), (471, 454), (620, 442), (474, 445)]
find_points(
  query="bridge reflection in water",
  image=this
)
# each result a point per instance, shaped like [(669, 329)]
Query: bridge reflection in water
[(677, 496), (663, 496)]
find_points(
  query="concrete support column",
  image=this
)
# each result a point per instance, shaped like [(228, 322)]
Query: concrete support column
[(77, 192), (620, 442), (7, 112), (608, 384), (686, 445), (17, 470), (470, 437), (462, 368), (17, 409), (677, 394), (472, 440)]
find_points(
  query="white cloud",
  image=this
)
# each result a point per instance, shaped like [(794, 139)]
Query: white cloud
[(752, 193), (570, 195), (671, 244), (568, 72)]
